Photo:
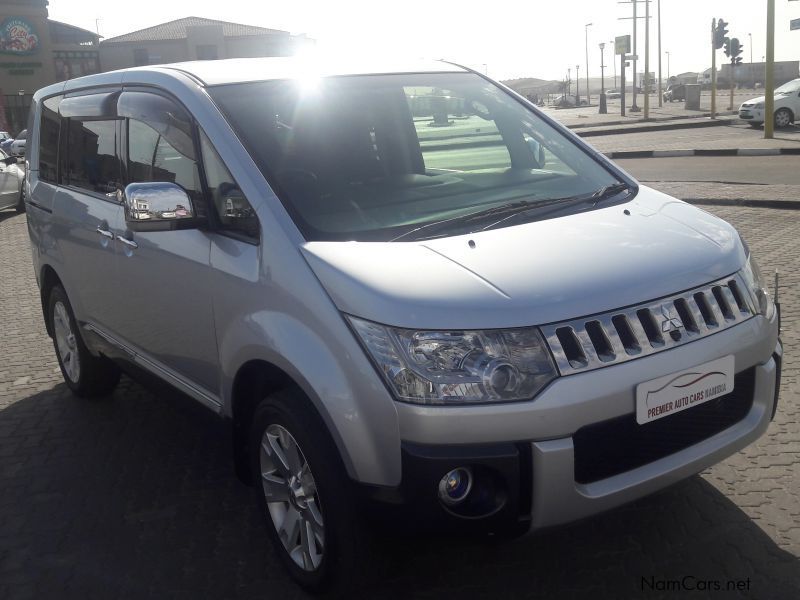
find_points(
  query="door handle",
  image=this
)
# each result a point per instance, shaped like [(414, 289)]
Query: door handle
[(105, 233), (127, 242)]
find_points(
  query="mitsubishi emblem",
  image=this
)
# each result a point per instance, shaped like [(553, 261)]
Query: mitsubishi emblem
[(671, 322)]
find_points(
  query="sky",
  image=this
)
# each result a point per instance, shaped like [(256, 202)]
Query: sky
[(507, 38)]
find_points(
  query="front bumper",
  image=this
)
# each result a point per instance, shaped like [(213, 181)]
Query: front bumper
[(755, 115), (531, 446)]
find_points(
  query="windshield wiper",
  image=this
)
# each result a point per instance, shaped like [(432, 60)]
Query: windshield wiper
[(512, 209), (608, 191), (605, 192), (503, 209)]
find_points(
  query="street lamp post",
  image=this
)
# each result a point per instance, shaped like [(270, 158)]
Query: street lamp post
[(577, 85), (588, 90), (752, 70)]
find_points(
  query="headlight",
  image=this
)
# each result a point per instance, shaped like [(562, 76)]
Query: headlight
[(458, 367), (757, 287)]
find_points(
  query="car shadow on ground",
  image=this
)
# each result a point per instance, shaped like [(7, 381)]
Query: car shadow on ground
[(134, 497)]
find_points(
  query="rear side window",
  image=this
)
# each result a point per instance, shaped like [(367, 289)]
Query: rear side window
[(91, 155), (48, 140)]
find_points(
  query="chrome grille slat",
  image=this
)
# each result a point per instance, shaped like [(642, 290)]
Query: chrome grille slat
[(666, 318)]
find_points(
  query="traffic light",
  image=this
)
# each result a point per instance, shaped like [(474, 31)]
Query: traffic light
[(736, 50), (720, 34), (727, 46)]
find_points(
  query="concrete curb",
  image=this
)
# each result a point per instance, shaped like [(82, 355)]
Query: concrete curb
[(652, 126), (708, 152), (722, 116), (784, 204)]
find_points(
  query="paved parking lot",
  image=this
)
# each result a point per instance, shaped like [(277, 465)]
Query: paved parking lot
[(133, 497)]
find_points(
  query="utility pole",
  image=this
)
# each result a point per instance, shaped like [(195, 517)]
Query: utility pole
[(614, 62), (769, 84), (577, 85), (713, 68), (660, 92), (603, 107), (588, 89), (634, 107), (752, 70), (646, 59), (569, 82)]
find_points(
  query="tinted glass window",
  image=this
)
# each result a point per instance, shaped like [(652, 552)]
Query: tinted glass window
[(91, 158), (234, 211), (48, 140), (374, 157)]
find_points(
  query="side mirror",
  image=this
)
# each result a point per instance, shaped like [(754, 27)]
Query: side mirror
[(537, 151), (158, 206)]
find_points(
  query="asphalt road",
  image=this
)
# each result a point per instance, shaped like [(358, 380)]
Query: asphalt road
[(727, 169)]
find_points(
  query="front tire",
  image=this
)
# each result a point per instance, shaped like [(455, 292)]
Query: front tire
[(86, 375), (783, 118), (305, 495), (20, 208)]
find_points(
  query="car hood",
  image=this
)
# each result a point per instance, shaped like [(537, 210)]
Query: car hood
[(778, 98), (534, 273)]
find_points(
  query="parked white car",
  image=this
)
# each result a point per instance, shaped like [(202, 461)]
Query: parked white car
[(787, 106), (17, 147), (11, 177)]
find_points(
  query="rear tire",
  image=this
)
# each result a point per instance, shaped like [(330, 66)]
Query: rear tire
[(86, 375), (322, 541)]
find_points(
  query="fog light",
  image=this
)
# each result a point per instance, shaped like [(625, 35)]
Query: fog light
[(455, 486)]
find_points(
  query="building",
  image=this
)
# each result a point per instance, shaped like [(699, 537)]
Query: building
[(195, 38), (749, 74), (35, 52), (684, 78)]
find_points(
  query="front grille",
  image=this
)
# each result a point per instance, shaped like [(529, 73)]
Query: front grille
[(625, 334), (619, 445)]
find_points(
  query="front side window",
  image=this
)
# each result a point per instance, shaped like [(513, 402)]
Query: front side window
[(91, 159), (160, 144), (376, 157)]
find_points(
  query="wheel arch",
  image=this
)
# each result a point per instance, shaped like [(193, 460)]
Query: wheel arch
[(48, 279), (254, 381)]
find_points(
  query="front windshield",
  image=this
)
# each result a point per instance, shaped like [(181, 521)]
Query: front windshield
[(789, 88), (371, 157)]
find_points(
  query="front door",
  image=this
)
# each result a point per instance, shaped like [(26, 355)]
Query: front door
[(165, 279)]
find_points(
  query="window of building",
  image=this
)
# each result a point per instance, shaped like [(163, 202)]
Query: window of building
[(91, 157), (206, 52), (140, 57), (234, 211), (48, 140)]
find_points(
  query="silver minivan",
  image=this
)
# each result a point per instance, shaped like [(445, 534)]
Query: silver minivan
[(417, 300)]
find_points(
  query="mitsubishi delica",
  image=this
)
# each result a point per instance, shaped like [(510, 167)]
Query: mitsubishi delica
[(415, 297)]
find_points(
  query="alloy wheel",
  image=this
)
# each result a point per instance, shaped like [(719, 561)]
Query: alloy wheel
[(782, 118), (65, 342), (292, 499)]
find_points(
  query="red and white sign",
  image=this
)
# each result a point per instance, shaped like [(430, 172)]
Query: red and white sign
[(673, 393)]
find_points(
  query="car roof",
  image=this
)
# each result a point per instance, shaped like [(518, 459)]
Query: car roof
[(237, 70), (240, 70)]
